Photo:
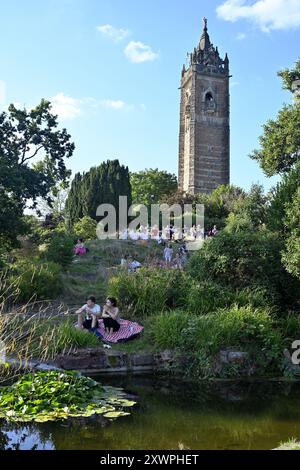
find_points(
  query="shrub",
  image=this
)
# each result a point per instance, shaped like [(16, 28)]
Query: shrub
[(245, 328), (67, 337), (150, 290), (59, 250), (208, 296), (85, 228), (243, 260), (36, 281)]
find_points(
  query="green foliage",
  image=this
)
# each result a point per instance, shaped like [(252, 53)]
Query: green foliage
[(23, 136), (102, 184), (152, 185), (53, 396), (280, 142), (85, 228), (208, 296), (248, 213), (35, 280), (150, 290), (244, 260), (288, 76), (290, 326), (291, 254), (59, 250), (244, 328), (67, 338), (282, 195)]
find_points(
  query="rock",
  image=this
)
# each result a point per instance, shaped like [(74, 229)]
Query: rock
[(237, 357), (167, 355), (232, 357), (83, 359), (142, 360)]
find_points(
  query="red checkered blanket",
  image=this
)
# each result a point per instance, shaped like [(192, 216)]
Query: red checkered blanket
[(127, 330)]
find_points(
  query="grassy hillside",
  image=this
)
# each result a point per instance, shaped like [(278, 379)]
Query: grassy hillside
[(89, 274)]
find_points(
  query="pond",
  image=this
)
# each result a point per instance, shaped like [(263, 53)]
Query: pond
[(173, 415)]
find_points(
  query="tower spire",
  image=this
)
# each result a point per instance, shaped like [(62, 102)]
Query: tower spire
[(204, 40)]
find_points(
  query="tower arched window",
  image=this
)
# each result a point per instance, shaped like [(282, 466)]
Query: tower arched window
[(209, 97)]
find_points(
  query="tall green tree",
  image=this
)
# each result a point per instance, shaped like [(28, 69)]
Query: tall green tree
[(291, 255), (280, 142), (152, 185), (26, 136), (101, 184), (279, 153)]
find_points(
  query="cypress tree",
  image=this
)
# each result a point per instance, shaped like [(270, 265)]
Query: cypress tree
[(102, 184)]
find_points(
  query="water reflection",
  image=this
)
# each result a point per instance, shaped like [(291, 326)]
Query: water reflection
[(172, 415)]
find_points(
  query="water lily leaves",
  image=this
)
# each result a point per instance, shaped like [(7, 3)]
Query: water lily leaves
[(50, 396), (115, 414), (121, 402)]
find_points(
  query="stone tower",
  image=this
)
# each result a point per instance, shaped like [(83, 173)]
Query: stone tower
[(204, 119)]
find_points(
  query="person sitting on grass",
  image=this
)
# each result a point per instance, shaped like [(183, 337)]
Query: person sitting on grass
[(80, 248), (88, 314), (110, 316), (133, 265)]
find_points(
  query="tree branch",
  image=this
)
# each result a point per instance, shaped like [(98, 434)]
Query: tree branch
[(31, 156)]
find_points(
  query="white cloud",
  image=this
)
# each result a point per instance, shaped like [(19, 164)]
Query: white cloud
[(113, 33), (267, 14), (138, 52), (113, 104), (240, 36), (2, 92), (65, 107)]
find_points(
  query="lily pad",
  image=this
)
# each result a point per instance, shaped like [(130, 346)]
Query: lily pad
[(51, 396)]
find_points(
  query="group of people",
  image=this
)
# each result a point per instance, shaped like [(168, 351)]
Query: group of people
[(169, 259), (91, 312), (163, 237), (168, 233)]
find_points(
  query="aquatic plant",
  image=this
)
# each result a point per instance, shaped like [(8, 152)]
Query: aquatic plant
[(55, 395)]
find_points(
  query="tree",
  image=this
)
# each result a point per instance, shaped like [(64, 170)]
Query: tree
[(246, 259), (280, 154), (281, 197), (150, 186), (58, 196), (102, 184), (73, 207), (249, 214), (24, 137), (289, 76), (291, 254), (85, 228), (280, 142)]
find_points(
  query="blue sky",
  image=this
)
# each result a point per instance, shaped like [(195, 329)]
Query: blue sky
[(112, 69)]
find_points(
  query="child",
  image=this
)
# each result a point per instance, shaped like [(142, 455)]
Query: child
[(168, 253), (88, 314)]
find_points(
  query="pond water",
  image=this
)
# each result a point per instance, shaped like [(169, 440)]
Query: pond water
[(173, 415)]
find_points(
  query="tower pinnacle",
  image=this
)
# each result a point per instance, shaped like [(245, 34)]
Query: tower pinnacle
[(204, 40)]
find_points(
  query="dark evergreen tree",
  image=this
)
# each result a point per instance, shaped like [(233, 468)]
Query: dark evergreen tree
[(101, 184), (74, 200)]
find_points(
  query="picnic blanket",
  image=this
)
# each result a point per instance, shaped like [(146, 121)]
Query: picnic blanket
[(128, 330)]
